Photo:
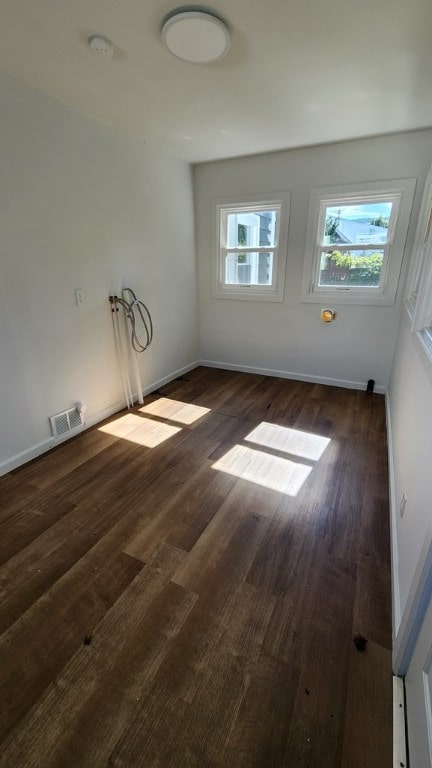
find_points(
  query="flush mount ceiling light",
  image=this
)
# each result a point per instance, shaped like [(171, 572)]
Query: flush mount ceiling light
[(196, 36)]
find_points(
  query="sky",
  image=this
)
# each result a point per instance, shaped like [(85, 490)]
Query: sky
[(363, 211)]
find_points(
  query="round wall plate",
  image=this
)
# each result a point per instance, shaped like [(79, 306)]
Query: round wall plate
[(196, 36)]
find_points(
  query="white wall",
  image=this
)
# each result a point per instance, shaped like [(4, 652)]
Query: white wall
[(289, 337), (410, 409), (82, 207)]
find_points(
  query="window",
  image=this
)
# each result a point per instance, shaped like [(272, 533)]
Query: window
[(422, 244), (419, 295), (251, 244), (422, 321), (355, 242)]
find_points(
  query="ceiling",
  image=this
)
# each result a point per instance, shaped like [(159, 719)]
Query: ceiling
[(298, 72)]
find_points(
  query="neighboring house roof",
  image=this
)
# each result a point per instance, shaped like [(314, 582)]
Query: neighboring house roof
[(354, 231)]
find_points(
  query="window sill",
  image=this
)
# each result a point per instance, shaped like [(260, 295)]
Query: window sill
[(247, 294), (349, 296)]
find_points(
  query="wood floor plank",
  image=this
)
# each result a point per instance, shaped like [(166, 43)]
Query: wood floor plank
[(315, 734), (41, 648), (181, 585), (260, 736), (56, 464), (276, 558), (368, 734), (372, 607), (95, 478), (151, 741), (92, 732), (44, 562), (36, 515), (314, 618), (374, 538), (240, 508), (207, 672), (183, 516), (14, 493), (321, 650), (104, 675)]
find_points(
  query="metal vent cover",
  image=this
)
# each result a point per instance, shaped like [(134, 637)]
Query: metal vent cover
[(67, 421)]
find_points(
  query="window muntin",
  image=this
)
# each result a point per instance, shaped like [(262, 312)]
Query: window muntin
[(343, 227), (250, 260)]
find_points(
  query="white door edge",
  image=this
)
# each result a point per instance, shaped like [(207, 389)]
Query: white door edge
[(399, 730), (415, 609)]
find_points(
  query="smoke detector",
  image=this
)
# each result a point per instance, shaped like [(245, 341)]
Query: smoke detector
[(101, 46)]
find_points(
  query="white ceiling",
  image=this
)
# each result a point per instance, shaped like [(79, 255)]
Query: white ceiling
[(299, 72)]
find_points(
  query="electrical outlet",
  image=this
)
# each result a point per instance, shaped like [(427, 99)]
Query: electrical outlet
[(403, 504), (80, 297)]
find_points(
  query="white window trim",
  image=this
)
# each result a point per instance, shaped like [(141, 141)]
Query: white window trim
[(419, 252), (274, 292), (402, 189), (421, 322)]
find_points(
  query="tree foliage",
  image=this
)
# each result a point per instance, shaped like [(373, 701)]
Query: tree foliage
[(360, 270), (380, 221), (331, 226)]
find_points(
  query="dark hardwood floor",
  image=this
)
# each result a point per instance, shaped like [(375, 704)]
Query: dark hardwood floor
[(182, 585)]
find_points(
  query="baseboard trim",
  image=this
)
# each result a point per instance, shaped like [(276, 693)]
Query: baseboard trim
[(23, 457), (396, 612), (346, 384), (170, 377), (18, 459)]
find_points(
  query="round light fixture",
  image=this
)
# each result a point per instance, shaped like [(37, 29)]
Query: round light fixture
[(196, 36), (101, 46)]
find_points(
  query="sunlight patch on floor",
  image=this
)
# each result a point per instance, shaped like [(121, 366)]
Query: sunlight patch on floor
[(264, 469), (306, 445), (175, 410), (140, 430)]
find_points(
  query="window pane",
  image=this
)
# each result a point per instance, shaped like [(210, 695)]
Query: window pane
[(356, 223), (251, 228), (353, 268), (265, 268), (251, 268)]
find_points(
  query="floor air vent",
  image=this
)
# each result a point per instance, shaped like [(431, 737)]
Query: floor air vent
[(67, 421)]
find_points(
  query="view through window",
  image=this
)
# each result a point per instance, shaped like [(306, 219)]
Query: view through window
[(353, 242), (251, 237)]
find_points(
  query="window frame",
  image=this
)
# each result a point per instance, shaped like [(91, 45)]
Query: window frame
[(398, 191), (421, 247), (222, 207), (421, 325)]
